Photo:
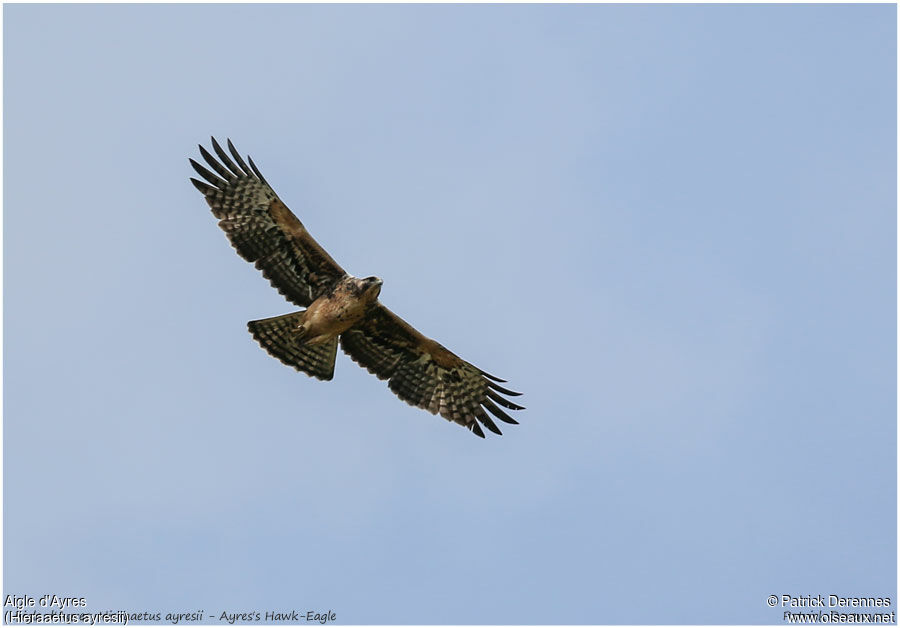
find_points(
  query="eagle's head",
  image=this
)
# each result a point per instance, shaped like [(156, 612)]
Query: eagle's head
[(369, 288)]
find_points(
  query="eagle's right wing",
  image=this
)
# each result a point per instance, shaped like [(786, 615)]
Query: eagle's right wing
[(424, 373), (262, 229)]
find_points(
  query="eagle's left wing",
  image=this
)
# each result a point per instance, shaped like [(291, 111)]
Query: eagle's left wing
[(262, 229), (425, 374)]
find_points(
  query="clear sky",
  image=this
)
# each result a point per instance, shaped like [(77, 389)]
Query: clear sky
[(672, 227)]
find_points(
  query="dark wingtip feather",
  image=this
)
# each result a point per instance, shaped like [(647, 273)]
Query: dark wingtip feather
[(215, 165), (206, 174), (497, 412), (476, 429), (506, 403), (488, 423), (226, 160), (237, 157), (256, 170), (206, 154), (204, 188), (493, 377), (503, 390)]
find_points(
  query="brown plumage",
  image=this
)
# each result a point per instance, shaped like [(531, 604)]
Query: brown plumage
[(338, 306)]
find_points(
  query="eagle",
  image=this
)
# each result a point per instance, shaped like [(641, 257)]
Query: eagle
[(338, 307)]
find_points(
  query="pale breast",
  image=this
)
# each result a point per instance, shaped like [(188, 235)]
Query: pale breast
[(329, 316)]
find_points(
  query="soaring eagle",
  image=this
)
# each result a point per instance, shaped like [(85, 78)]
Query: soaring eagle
[(338, 306)]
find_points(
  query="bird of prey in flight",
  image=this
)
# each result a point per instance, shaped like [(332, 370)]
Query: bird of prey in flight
[(338, 306)]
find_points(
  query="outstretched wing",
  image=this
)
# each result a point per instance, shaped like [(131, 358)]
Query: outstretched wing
[(425, 374), (262, 229)]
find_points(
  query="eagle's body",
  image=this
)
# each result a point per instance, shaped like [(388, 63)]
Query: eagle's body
[(334, 313), (339, 307)]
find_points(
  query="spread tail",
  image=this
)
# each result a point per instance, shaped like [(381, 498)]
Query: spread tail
[(282, 338)]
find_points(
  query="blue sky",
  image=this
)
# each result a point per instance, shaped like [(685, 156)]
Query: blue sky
[(672, 227)]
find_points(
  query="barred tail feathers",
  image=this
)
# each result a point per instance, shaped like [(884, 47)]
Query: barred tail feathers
[(282, 338)]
